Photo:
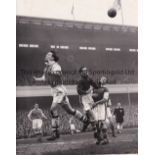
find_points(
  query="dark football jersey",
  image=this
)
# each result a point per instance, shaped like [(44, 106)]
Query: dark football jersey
[(100, 94), (36, 114), (119, 113), (53, 75), (85, 84)]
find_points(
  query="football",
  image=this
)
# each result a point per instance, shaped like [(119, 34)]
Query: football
[(112, 12)]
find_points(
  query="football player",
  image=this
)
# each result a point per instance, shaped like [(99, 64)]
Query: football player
[(85, 88), (102, 112), (73, 129), (53, 75), (103, 82), (119, 116), (35, 116)]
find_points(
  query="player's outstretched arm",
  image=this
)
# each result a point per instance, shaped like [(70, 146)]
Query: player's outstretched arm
[(42, 78)]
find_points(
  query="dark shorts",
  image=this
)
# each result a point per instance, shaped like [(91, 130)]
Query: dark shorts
[(119, 120)]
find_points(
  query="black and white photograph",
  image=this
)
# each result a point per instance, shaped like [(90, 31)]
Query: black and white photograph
[(76, 77)]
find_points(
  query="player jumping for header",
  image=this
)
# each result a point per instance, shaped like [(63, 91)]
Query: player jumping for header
[(85, 88), (53, 75)]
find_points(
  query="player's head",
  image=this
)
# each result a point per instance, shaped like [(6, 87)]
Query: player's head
[(84, 71), (118, 104), (50, 57), (36, 106), (103, 80)]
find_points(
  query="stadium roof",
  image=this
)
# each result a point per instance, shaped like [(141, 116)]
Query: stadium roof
[(75, 24)]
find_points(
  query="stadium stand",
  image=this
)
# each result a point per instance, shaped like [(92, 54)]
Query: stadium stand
[(110, 50)]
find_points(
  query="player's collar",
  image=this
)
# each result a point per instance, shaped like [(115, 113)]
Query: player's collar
[(52, 63)]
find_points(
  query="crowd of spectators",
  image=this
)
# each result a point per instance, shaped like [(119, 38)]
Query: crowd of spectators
[(24, 129), (24, 126)]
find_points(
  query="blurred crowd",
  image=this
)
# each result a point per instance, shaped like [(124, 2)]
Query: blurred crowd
[(24, 126)]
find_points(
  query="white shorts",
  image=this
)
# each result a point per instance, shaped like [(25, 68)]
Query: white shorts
[(107, 121), (72, 127), (59, 92), (100, 112), (109, 114), (37, 124), (87, 101)]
